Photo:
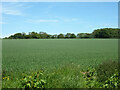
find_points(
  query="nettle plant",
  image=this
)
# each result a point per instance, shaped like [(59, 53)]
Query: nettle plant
[(34, 81)]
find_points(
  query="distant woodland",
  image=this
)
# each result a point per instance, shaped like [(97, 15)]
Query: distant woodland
[(98, 33)]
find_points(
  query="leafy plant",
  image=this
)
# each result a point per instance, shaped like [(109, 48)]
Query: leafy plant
[(34, 81), (90, 77), (113, 81)]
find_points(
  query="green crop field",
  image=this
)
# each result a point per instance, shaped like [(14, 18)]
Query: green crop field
[(25, 56)]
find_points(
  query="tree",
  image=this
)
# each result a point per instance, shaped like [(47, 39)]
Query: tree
[(106, 33), (23, 35), (27, 36), (54, 36), (84, 35), (34, 35), (44, 35), (80, 35), (72, 35), (68, 35), (16, 36), (60, 35), (88, 35), (5, 38), (98, 33)]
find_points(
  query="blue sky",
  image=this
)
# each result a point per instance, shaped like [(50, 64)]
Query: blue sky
[(58, 17)]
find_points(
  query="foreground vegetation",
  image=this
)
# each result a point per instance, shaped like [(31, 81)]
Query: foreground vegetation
[(69, 76), (60, 63)]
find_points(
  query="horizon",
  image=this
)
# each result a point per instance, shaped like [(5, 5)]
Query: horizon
[(27, 33), (56, 18)]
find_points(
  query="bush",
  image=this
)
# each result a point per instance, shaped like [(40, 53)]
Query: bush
[(104, 76), (106, 70)]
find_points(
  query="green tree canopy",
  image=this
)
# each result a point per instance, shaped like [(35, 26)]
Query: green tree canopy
[(60, 35)]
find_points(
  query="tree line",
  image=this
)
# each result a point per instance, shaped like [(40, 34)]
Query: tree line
[(98, 33)]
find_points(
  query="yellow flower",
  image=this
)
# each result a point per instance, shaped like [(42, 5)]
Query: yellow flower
[(5, 77), (8, 78)]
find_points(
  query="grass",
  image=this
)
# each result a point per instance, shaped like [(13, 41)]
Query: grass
[(26, 56)]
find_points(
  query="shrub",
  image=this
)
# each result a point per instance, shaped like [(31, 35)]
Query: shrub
[(104, 76), (106, 70)]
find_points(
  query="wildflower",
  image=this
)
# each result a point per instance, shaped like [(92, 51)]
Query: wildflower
[(8, 78), (4, 78)]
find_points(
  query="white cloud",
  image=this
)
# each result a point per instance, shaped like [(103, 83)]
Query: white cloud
[(41, 20), (66, 19), (13, 8), (11, 12), (57, 19)]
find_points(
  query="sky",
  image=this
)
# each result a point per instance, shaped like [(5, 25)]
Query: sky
[(57, 17)]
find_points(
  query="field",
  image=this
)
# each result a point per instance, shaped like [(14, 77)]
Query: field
[(25, 56)]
